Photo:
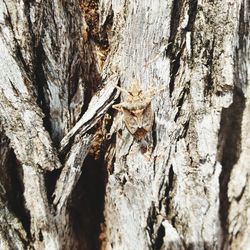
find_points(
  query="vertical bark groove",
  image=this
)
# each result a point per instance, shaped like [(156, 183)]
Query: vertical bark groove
[(230, 134)]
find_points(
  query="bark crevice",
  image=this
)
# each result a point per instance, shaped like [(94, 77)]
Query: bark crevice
[(229, 147), (41, 86), (14, 190), (87, 204)]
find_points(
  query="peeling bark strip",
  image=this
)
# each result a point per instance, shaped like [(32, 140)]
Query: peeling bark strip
[(60, 63), (72, 170), (98, 105)]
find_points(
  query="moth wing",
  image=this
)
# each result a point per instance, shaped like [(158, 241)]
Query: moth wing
[(148, 118), (130, 121)]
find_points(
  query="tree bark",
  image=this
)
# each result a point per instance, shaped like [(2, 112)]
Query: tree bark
[(72, 176)]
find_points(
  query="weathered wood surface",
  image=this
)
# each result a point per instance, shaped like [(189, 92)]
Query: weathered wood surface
[(199, 50), (45, 69), (59, 64)]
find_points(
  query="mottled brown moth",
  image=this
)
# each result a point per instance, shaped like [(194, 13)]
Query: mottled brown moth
[(138, 115)]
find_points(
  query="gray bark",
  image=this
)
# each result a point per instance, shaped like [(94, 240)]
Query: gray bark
[(71, 174)]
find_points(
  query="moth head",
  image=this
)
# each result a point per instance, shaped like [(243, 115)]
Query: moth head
[(135, 89)]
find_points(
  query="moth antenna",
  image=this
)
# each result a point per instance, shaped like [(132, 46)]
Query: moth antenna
[(122, 90), (160, 90), (162, 49), (154, 91)]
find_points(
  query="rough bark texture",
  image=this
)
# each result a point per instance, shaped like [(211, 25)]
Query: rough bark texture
[(72, 176)]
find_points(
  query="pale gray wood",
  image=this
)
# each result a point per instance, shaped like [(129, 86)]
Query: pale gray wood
[(172, 199), (98, 106), (190, 190), (41, 82), (239, 184), (8, 220), (72, 170)]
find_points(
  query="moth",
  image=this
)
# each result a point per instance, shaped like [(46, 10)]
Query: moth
[(138, 115)]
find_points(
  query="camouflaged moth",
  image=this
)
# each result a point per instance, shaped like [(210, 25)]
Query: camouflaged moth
[(138, 115)]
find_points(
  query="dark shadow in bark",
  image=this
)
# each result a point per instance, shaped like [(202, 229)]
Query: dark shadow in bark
[(230, 134), (87, 204), (174, 50), (156, 239), (206, 245), (169, 187), (229, 150), (50, 179), (90, 9), (157, 234), (159, 238), (192, 11), (11, 178), (241, 52), (209, 88), (41, 86)]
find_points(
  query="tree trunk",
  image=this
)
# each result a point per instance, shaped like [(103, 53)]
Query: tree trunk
[(73, 175)]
